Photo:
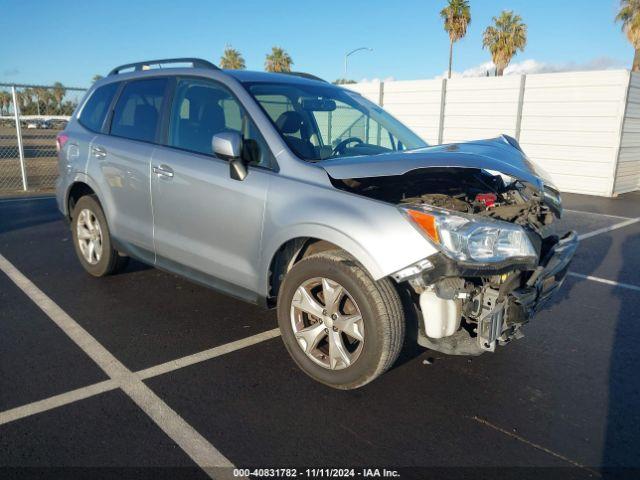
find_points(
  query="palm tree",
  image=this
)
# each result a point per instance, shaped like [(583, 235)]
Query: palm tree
[(58, 94), (278, 61), (96, 78), (457, 17), (343, 81), (24, 99), (41, 96), (232, 59), (629, 16), (5, 101), (504, 38)]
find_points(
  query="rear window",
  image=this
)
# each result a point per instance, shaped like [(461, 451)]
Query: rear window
[(95, 110), (137, 112)]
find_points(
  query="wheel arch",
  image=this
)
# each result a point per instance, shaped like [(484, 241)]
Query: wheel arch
[(294, 249), (81, 185), (76, 192)]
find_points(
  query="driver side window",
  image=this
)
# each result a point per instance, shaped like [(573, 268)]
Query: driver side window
[(202, 108)]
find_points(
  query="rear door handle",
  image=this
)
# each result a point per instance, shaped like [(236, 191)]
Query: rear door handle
[(98, 152), (163, 171)]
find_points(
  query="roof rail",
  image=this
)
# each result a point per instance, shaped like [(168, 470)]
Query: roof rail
[(306, 75), (138, 66)]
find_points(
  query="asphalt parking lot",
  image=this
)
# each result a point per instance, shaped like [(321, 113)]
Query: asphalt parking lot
[(144, 374)]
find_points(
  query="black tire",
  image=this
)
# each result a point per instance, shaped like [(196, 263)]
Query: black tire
[(110, 261), (380, 307)]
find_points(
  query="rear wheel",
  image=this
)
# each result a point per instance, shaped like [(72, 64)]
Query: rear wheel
[(92, 240), (340, 326)]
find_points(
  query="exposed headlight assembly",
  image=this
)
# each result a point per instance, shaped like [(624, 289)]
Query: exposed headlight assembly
[(471, 238)]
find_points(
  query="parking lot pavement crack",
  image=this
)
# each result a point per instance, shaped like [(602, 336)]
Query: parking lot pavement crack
[(520, 438), (188, 439)]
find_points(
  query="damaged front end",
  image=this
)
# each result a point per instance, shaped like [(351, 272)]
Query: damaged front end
[(499, 258), (468, 309)]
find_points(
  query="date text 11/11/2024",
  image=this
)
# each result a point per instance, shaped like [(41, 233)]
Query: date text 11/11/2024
[(316, 473)]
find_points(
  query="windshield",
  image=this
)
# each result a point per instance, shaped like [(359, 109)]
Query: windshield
[(320, 122)]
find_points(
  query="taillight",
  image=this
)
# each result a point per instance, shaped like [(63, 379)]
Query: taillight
[(61, 139)]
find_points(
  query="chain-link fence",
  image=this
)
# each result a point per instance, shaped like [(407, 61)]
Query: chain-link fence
[(30, 118)]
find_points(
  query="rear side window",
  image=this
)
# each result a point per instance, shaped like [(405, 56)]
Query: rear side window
[(95, 110), (137, 112)]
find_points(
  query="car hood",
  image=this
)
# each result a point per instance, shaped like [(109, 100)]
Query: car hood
[(502, 154)]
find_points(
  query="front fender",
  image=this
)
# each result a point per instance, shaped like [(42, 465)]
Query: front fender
[(320, 232), (375, 233)]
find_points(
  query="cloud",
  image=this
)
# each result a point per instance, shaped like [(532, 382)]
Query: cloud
[(534, 66), (377, 80), (12, 72)]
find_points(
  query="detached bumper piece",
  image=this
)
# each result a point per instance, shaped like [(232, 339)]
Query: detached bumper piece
[(503, 314)]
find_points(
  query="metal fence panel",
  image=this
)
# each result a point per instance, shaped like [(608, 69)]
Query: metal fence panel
[(10, 174), (569, 123), (42, 112)]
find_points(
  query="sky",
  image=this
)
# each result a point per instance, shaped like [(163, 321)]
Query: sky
[(71, 41)]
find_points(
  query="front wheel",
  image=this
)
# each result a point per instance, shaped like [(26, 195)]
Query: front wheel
[(339, 325)]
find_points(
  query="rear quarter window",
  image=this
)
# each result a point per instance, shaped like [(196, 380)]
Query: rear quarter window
[(95, 110)]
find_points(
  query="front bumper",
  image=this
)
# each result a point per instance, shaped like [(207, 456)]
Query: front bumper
[(499, 308), (548, 277), (510, 310)]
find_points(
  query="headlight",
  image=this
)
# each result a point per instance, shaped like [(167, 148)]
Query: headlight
[(471, 238)]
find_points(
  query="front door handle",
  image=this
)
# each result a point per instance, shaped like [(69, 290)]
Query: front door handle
[(163, 171), (98, 152)]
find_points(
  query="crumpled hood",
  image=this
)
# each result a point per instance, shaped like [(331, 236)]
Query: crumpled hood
[(501, 154)]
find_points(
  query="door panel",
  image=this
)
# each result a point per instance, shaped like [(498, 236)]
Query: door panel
[(206, 224), (124, 170), (206, 221), (124, 159)]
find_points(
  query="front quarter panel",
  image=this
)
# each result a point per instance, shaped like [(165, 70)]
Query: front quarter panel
[(377, 234)]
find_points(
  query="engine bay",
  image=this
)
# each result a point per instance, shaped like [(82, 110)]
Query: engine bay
[(466, 190)]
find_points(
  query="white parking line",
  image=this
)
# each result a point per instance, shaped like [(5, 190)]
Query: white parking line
[(57, 401), (207, 354), (605, 281), (616, 226), (188, 439), (594, 213), (107, 385)]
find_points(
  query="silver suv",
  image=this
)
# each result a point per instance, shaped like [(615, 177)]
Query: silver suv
[(289, 192)]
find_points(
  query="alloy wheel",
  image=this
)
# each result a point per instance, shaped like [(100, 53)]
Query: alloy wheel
[(89, 235), (327, 323)]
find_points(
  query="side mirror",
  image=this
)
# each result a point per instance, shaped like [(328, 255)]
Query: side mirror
[(228, 146)]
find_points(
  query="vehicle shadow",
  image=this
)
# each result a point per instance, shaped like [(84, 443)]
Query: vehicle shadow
[(621, 453), (17, 217), (620, 457), (134, 266)]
